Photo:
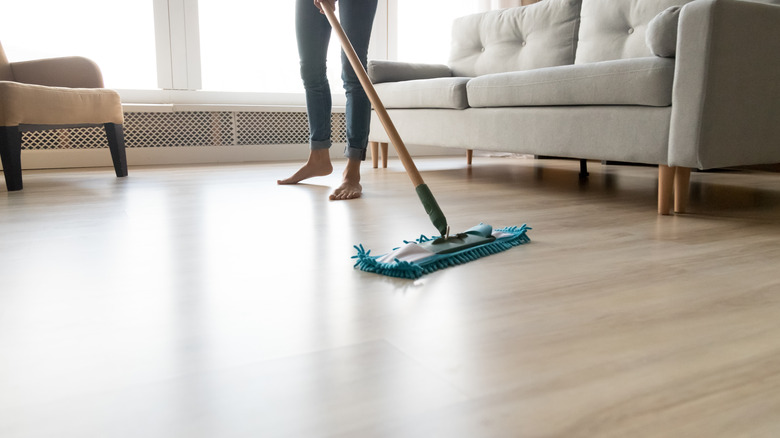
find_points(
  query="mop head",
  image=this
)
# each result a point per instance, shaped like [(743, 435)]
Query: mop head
[(427, 254)]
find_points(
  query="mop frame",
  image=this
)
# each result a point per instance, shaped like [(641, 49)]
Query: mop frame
[(414, 270)]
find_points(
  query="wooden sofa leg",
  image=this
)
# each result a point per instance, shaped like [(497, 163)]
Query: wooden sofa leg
[(682, 183), (384, 154), (665, 188), (374, 153), (116, 143), (11, 156), (469, 156)]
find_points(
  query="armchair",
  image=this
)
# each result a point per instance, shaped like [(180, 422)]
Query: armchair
[(54, 93)]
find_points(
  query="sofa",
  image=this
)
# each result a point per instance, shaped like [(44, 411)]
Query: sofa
[(679, 84)]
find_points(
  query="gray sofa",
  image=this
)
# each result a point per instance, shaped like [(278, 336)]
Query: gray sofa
[(675, 83)]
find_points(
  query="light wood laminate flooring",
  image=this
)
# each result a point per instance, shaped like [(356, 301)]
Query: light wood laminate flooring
[(206, 301)]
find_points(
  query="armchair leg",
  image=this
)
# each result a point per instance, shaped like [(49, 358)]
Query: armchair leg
[(11, 155), (116, 142), (469, 156)]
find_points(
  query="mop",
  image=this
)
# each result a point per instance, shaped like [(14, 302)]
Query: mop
[(425, 254)]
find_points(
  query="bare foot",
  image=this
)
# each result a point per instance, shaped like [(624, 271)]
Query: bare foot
[(318, 165), (350, 187)]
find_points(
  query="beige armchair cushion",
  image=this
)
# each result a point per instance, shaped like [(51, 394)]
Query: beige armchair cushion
[(28, 104), (55, 91), (5, 68), (68, 71)]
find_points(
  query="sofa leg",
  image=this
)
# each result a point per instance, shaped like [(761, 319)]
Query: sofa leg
[(665, 188), (469, 156), (11, 156), (374, 153), (682, 183), (584, 169), (384, 146), (116, 143)]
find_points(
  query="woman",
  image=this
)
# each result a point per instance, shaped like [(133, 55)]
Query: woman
[(313, 34)]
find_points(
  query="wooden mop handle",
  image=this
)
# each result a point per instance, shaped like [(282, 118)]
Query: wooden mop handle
[(426, 197), (329, 8)]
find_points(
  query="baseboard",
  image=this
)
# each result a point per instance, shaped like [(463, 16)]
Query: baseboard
[(101, 157), (191, 134)]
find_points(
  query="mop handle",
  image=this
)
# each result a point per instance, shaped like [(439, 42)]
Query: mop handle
[(423, 192), (328, 7)]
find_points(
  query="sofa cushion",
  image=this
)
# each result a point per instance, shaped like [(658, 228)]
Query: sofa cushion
[(543, 34), (424, 93), (639, 81), (661, 36), (392, 71), (616, 30)]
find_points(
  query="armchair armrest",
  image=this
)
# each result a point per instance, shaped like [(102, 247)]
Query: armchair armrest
[(72, 72), (395, 71), (726, 93)]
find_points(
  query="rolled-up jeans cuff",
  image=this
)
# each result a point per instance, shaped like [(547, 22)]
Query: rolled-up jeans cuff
[(355, 153), (319, 144)]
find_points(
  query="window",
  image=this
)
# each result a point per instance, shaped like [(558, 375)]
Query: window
[(251, 46), (425, 28), (118, 36), (247, 48)]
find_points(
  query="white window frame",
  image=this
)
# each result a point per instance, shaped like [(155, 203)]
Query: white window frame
[(177, 37), (177, 34)]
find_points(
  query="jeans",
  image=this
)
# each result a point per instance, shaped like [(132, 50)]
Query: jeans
[(313, 31)]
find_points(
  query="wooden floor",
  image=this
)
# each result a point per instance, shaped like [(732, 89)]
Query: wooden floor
[(207, 301)]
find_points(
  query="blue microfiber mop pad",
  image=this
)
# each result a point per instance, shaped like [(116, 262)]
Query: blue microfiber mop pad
[(414, 259)]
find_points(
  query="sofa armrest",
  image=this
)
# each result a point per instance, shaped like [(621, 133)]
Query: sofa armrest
[(396, 71), (72, 72), (726, 93)]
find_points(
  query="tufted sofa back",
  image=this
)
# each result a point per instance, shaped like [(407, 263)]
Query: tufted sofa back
[(540, 35), (553, 32), (615, 29)]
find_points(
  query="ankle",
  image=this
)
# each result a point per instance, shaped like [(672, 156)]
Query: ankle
[(352, 170), (319, 156)]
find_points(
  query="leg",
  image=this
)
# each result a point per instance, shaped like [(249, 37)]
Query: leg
[(682, 183), (665, 188), (469, 156), (11, 155), (384, 154), (374, 153), (313, 34), (357, 18), (116, 143)]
